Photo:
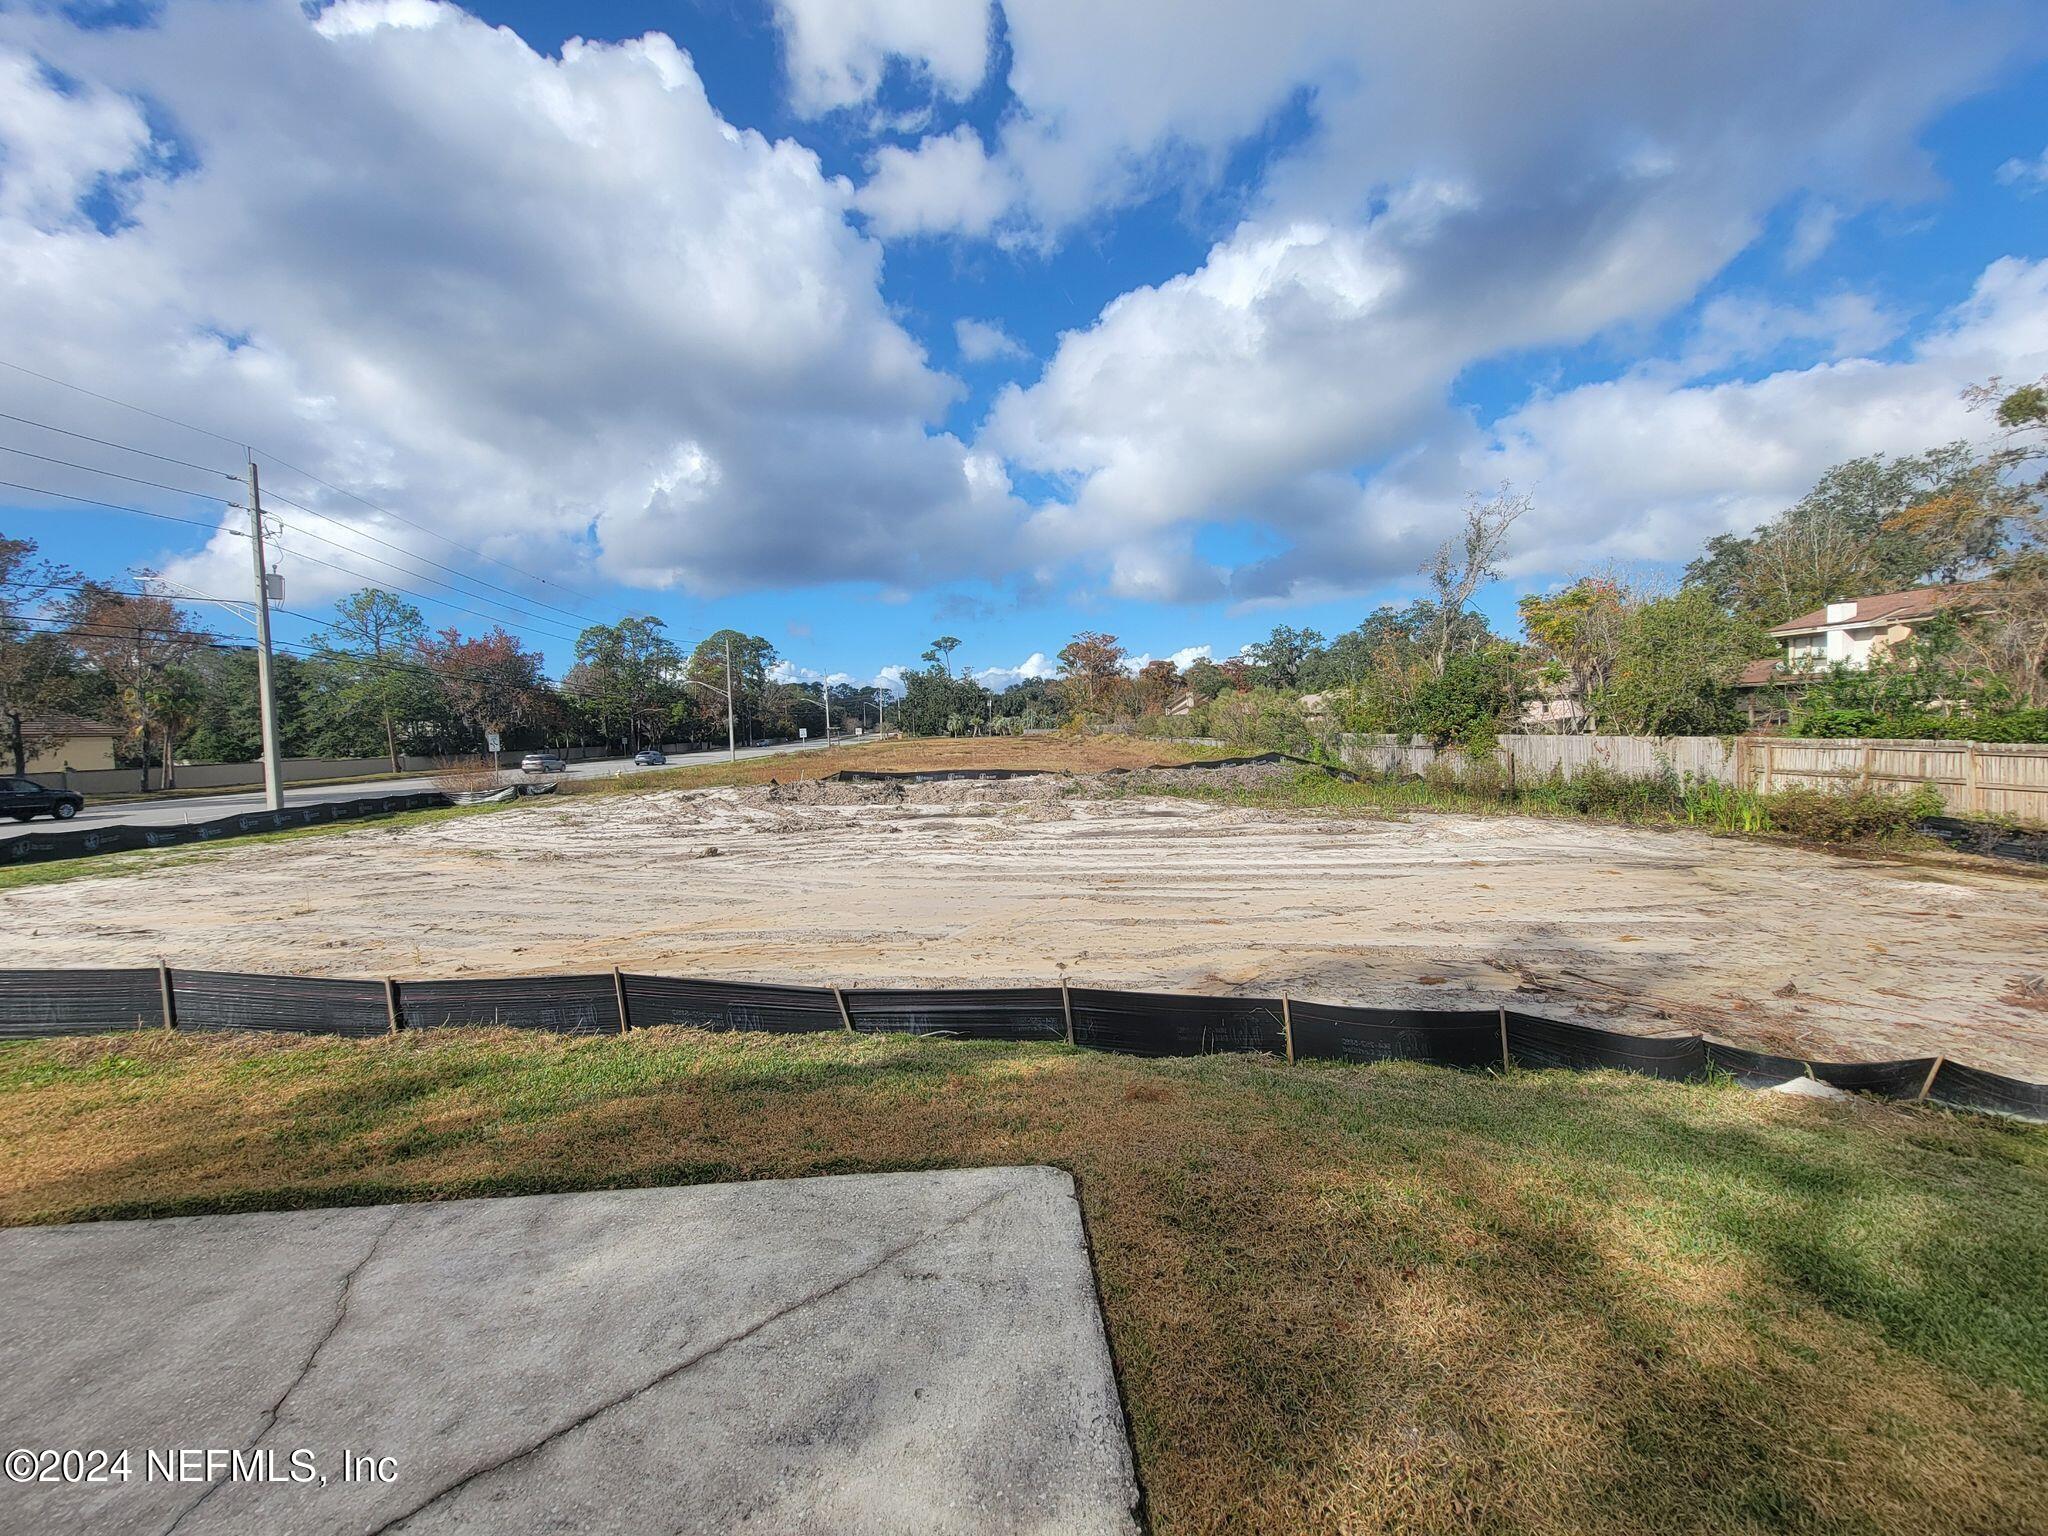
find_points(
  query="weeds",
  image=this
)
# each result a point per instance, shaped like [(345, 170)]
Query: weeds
[(1662, 799)]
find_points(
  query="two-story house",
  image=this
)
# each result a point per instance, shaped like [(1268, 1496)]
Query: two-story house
[(1849, 634)]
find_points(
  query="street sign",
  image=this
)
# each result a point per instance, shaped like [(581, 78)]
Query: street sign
[(493, 741), (803, 733)]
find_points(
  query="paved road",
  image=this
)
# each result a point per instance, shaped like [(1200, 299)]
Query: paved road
[(137, 813)]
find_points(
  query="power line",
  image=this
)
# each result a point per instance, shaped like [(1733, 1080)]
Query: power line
[(422, 527), (558, 631), (110, 400), (519, 613), (423, 597), (42, 490), (115, 474), (293, 468), (415, 555), (85, 437), (537, 620)]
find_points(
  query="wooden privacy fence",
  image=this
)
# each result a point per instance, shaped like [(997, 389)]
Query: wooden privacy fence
[(1999, 781)]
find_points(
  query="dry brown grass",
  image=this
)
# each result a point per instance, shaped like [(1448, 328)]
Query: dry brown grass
[(1341, 1300), (478, 775), (1056, 752)]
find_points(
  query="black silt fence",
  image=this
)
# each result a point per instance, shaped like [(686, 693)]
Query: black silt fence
[(291, 1005), (1753, 1069), (34, 1004), (1539, 1043), (930, 776), (1001, 1013), (657, 1000), (44, 1003), (1886, 1079), (1164, 1024), (44, 847), (1454, 1038), (563, 1005), (1962, 1087)]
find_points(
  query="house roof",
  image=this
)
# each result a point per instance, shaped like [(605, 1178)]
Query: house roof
[(1757, 673), (69, 726), (1887, 608)]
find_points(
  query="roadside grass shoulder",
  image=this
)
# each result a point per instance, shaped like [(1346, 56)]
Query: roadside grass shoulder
[(1341, 1298), (150, 861)]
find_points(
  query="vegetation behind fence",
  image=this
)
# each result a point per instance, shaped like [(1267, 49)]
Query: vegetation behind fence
[(1992, 780)]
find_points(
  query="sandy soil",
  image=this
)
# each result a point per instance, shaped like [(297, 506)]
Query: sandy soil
[(1807, 953)]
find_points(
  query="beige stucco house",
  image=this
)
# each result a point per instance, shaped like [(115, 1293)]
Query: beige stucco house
[(1852, 634), (57, 743)]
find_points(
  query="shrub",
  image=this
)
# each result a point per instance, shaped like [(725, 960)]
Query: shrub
[(1985, 725), (1596, 790), (1853, 816)]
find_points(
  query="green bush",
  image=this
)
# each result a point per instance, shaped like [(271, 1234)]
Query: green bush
[(1599, 791), (1999, 725), (1853, 816)]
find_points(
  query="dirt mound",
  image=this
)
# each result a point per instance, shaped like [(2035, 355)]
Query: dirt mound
[(1037, 790)]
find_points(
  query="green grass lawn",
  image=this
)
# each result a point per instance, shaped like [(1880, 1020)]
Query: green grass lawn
[(1395, 1298)]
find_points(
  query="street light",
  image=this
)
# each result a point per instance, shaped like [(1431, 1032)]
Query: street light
[(732, 750)]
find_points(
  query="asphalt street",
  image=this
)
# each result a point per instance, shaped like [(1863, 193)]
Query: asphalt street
[(173, 812)]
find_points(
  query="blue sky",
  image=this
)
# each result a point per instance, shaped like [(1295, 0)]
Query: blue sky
[(852, 322)]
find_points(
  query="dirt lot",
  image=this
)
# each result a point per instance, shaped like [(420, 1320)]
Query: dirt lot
[(1812, 954)]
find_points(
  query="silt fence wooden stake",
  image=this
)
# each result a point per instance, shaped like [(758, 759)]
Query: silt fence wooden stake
[(844, 1017), (1287, 1026), (1506, 1061), (1921, 1096), (163, 987), (619, 991), (391, 1004)]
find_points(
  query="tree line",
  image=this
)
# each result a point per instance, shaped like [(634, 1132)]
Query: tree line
[(1618, 651), (375, 681)]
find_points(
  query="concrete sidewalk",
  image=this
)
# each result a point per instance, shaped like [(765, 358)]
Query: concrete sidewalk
[(885, 1353)]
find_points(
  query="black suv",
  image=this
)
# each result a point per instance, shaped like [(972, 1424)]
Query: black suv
[(23, 798)]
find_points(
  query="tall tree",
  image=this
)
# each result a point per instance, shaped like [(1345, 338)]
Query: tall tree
[(492, 681), (176, 694), (1092, 666), (1285, 653), (1576, 636), (628, 672), (36, 679), (1467, 561), (1869, 525), (129, 640), (374, 643), (941, 653), (753, 658), (1673, 668)]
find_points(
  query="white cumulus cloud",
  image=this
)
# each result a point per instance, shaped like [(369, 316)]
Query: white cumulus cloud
[(556, 308)]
